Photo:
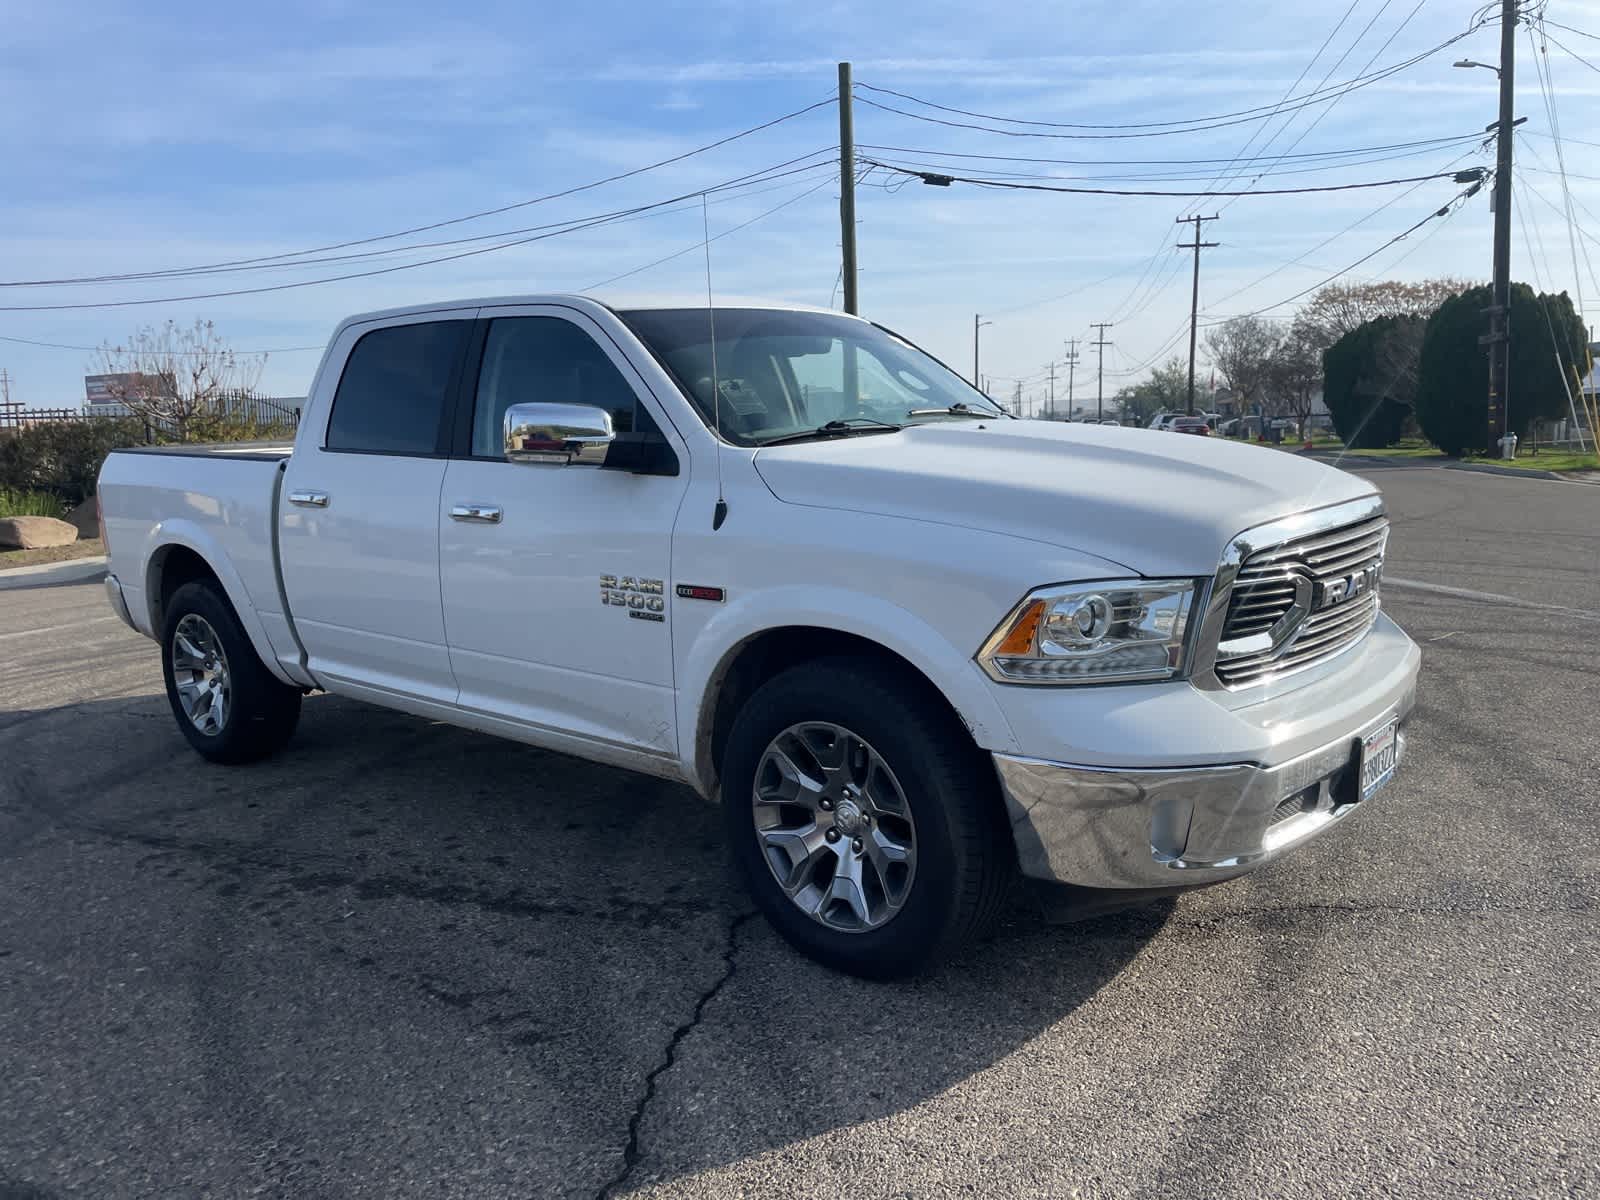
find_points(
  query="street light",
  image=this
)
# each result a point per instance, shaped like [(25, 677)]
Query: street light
[(1468, 62), (977, 324)]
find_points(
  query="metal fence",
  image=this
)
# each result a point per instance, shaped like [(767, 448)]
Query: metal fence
[(276, 412)]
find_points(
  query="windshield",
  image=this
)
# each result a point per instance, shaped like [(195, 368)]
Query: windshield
[(782, 372)]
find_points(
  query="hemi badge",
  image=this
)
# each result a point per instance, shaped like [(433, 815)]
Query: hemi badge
[(694, 591)]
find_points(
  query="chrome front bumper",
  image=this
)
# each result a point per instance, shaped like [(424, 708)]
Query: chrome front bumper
[(1109, 828)]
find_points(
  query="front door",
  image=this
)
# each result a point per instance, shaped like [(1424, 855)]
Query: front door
[(555, 587)]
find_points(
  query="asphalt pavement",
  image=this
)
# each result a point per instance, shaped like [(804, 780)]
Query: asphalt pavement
[(406, 960)]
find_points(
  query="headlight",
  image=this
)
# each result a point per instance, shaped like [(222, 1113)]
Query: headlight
[(1117, 631)]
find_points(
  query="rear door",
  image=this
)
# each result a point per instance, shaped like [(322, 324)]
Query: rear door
[(556, 588), (359, 522)]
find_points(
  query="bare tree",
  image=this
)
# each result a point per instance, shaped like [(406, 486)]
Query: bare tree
[(1243, 350), (1339, 308), (170, 374), (1295, 374)]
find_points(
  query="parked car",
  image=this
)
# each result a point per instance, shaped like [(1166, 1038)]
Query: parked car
[(911, 649), (1191, 425)]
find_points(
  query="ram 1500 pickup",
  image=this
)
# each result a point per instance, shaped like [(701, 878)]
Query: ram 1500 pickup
[(912, 644)]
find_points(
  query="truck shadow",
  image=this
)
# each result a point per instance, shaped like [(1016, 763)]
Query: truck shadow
[(397, 918)]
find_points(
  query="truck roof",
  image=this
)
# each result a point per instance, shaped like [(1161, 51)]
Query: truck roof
[(617, 301)]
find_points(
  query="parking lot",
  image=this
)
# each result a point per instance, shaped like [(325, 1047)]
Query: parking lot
[(404, 959)]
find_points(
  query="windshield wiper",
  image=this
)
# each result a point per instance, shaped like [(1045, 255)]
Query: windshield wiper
[(841, 428), (958, 409)]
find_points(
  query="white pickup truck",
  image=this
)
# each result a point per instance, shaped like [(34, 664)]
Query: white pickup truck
[(914, 645)]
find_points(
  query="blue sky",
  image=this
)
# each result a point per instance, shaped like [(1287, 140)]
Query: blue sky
[(138, 137)]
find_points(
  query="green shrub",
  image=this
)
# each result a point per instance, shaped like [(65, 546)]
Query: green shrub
[(30, 504), (1453, 386), (1369, 380), (63, 457)]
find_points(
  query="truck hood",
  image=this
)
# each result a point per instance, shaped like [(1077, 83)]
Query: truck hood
[(1157, 503)]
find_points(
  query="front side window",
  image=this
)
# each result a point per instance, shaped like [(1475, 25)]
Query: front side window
[(395, 386), (545, 360), (783, 372)]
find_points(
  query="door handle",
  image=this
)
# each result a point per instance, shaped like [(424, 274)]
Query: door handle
[(485, 514), (309, 499)]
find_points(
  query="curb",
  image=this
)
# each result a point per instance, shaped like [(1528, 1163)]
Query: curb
[(74, 570), (1515, 472)]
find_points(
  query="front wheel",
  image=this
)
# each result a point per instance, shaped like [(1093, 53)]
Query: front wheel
[(227, 704), (865, 823)]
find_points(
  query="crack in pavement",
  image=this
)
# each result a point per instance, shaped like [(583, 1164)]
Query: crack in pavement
[(630, 1152)]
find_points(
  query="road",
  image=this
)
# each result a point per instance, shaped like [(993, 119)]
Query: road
[(408, 960)]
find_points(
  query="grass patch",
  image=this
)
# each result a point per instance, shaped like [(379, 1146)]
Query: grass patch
[(14, 503), (1405, 448), (83, 548), (1547, 460)]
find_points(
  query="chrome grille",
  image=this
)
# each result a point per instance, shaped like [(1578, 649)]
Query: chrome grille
[(1262, 607)]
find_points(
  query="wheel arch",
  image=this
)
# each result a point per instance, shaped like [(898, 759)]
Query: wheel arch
[(757, 656), (179, 555)]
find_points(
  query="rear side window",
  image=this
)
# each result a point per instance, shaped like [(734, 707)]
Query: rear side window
[(395, 386)]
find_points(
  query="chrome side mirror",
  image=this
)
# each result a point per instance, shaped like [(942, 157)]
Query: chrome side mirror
[(558, 434)]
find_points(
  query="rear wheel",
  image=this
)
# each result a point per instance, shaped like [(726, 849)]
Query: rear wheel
[(227, 704), (865, 823)]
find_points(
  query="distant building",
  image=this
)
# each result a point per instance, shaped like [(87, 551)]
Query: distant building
[(100, 394)]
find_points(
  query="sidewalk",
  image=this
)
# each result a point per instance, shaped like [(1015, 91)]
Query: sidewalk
[(74, 570)]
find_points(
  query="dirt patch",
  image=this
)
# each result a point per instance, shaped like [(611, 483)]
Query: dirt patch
[(83, 548)]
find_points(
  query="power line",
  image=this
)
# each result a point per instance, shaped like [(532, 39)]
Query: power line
[(930, 161), (939, 180), (96, 349), (1445, 211), (1288, 92), (1541, 66), (490, 212), (1420, 143), (738, 183), (1570, 29), (735, 229), (1546, 35), (1321, 116), (574, 226), (1357, 223), (1156, 128), (733, 190)]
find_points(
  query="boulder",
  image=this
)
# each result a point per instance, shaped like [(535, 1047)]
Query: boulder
[(34, 533), (84, 520)]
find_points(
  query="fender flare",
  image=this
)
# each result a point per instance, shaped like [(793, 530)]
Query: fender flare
[(950, 670), (179, 532)]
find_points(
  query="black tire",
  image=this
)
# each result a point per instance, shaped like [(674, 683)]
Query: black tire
[(965, 858), (261, 712)]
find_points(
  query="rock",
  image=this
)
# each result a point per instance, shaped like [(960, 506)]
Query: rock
[(34, 533), (83, 519)]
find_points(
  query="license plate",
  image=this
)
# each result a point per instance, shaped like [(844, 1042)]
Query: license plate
[(1379, 756)]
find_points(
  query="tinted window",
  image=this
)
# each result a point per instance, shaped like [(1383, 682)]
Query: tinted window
[(545, 360), (393, 392)]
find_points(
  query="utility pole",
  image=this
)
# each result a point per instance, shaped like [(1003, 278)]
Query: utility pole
[(1194, 301), (1050, 408), (847, 190), (977, 324), (1100, 374), (1016, 403), (1072, 370), (1499, 338)]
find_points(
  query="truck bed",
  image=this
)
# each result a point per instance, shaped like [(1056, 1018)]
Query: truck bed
[(220, 502)]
